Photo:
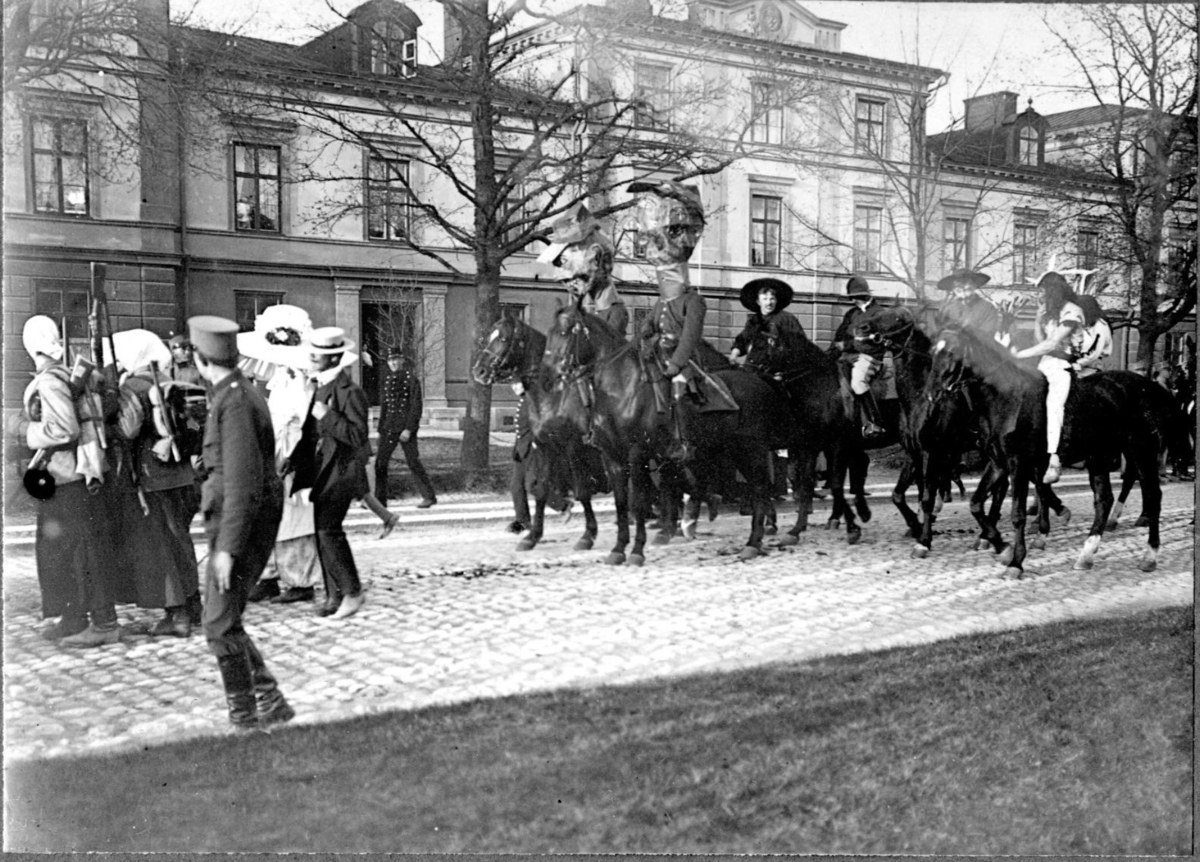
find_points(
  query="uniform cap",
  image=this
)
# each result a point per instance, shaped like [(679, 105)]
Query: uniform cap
[(215, 337), (857, 286), (395, 352)]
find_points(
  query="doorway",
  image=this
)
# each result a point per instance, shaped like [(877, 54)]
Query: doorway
[(386, 324)]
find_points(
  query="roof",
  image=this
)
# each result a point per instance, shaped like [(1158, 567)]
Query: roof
[(1090, 116)]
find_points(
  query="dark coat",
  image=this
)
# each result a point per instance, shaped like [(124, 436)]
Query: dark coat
[(676, 326), (779, 328), (242, 491), (334, 450), (975, 313), (524, 441), (155, 475), (844, 337), (400, 402)]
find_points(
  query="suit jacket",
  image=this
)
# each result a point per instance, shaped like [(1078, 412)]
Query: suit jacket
[(334, 450), (400, 402), (242, 494)]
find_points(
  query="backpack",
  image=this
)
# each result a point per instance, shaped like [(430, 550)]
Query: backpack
[(184, 405), (89, 413)]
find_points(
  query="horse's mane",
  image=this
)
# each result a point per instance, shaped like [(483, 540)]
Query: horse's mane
[(992, 363)]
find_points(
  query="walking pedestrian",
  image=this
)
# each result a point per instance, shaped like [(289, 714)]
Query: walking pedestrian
[(331, 459), (242, 501), (74, 537), (399, 419)]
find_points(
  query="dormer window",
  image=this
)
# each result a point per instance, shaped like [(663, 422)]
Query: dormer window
[(390, 50), (1027, 146)]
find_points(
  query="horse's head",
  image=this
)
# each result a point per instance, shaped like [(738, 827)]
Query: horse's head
[(892, 327), (570, 346), (949, 370), (502, 353)]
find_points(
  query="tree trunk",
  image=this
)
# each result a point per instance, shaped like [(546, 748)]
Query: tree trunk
[(477, 423)]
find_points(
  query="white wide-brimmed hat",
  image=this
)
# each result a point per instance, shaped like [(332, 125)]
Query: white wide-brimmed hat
[(280, 337), (329, 339)]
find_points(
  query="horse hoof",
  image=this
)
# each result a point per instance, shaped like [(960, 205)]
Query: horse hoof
[(526, 545), (1038, 544), (749, 553), (853, 535), (1148, 565), (662, 538), (1111, 525), (616, 558), (788, 540), (908, 534), (920, 552), (1005, 557), (1065, 515), (980, 544), (832, 524), (1012, 573), (584, 544), (637, 560), (689, 531), (1142, 521), (770, 530), (1083, 565)]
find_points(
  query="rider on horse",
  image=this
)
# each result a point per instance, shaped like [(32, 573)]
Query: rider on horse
[(671, 219), (769, 328), (862, 357), (1059, 327), (584, 258), (967, 309), (1097, 344)]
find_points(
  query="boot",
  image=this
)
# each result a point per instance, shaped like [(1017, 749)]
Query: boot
[(273, 708), (175, 623), (681, 450), (263, 590), (195, 609), (96, 634), (872, 423), (238, 680)]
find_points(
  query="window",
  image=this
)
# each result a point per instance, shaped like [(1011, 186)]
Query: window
[(1024, 254), (766, 227), (652, 95), (514, 310), (390, 51), (868, 238), (868, 127), (639, 318), (1027, 146), (61, 299), (956, 236), (60, 166), (1087, 249), (389, 205), (247, 305), (1175, 350), (256, 187), (527, 209), (766, 114)]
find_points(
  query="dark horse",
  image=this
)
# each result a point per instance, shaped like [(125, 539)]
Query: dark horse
[(513, 352), (935, 432), (1107, 415), (618, 408)]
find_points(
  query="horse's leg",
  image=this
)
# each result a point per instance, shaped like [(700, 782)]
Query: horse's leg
[(691, 513), (903, 483), (529, 540), (837, 474), (641, 494), (1152, 510), (756, 469), (619, 477), (991, 483), (590, 527), (1013, 557), (669, 500), (1102, 500), (806, 478), (998, 491), (858, 485), (1128, 478)]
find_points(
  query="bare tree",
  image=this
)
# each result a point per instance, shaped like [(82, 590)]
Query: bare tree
[(1140, 65)]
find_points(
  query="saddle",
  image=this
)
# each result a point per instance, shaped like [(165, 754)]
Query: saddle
[(714, 396)]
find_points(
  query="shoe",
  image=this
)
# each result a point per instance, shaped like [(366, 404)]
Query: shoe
[(330, 607), (277, 712), (264, 590), (174, 624), (389, 525), (349, 606), (1053, 472), (871, 431), (64, 628), (295, 594), (93, 637), (427, 502)]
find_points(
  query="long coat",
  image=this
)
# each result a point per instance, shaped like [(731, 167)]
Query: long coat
[(333, 452)]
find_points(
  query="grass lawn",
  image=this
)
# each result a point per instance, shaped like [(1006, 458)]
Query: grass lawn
[(1072, 738)]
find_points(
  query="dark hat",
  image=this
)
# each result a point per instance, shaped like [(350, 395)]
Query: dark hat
[(215, 337), (567, 229), (783, 292), (178, 340), (688, 195), (963, 278), (857, 286), (395, 352)]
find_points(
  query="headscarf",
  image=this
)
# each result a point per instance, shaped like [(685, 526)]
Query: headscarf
[(40, 338), (137, 348)]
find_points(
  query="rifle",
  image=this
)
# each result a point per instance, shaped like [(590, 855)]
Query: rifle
[(97, 317), (164, 422)]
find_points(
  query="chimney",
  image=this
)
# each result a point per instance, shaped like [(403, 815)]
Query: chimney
[(987, 112), (451, 35)]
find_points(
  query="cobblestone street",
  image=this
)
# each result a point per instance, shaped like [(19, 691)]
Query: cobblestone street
[(454, 612)]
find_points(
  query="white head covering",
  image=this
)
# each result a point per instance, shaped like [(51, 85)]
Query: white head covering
[(137, 348), (40, 337)]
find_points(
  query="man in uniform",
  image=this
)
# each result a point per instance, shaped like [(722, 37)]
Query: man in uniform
[(241, 502), (182, 368), (400, 407), (671, 219), (863, 358), (966, 308)]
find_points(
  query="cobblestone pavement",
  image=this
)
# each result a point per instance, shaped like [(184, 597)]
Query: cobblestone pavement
[(456, 613)]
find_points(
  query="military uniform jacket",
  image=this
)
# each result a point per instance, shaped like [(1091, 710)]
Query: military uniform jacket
[(974, 313), (186, 374), (400, 402), (678, 324), (155, 475), (242, 490), (855, 317), (524, 441)]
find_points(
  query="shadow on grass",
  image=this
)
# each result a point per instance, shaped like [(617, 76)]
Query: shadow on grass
[(1072, 738)]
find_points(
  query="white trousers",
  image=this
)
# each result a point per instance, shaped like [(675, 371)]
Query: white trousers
[(1058, 375), (862, 373)]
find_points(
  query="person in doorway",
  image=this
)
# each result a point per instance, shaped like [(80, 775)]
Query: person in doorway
[(241, 502), (399, 419)]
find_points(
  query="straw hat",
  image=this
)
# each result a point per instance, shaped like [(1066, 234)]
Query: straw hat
[(329, 339)]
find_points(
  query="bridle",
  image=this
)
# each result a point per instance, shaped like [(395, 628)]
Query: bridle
[(499, 364)]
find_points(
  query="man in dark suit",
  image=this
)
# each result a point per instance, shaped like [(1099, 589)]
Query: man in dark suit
[(335, 443), (241, 503), (400, 407)]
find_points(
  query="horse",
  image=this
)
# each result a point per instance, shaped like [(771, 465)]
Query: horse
[(935, 435), (513, 352), (619, 408), (1106, 415)]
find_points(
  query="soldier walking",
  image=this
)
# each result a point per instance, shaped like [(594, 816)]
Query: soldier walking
[(399, 419), (242, 502)]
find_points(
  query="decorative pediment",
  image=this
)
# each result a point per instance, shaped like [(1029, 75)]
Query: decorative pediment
[(782, 20)]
